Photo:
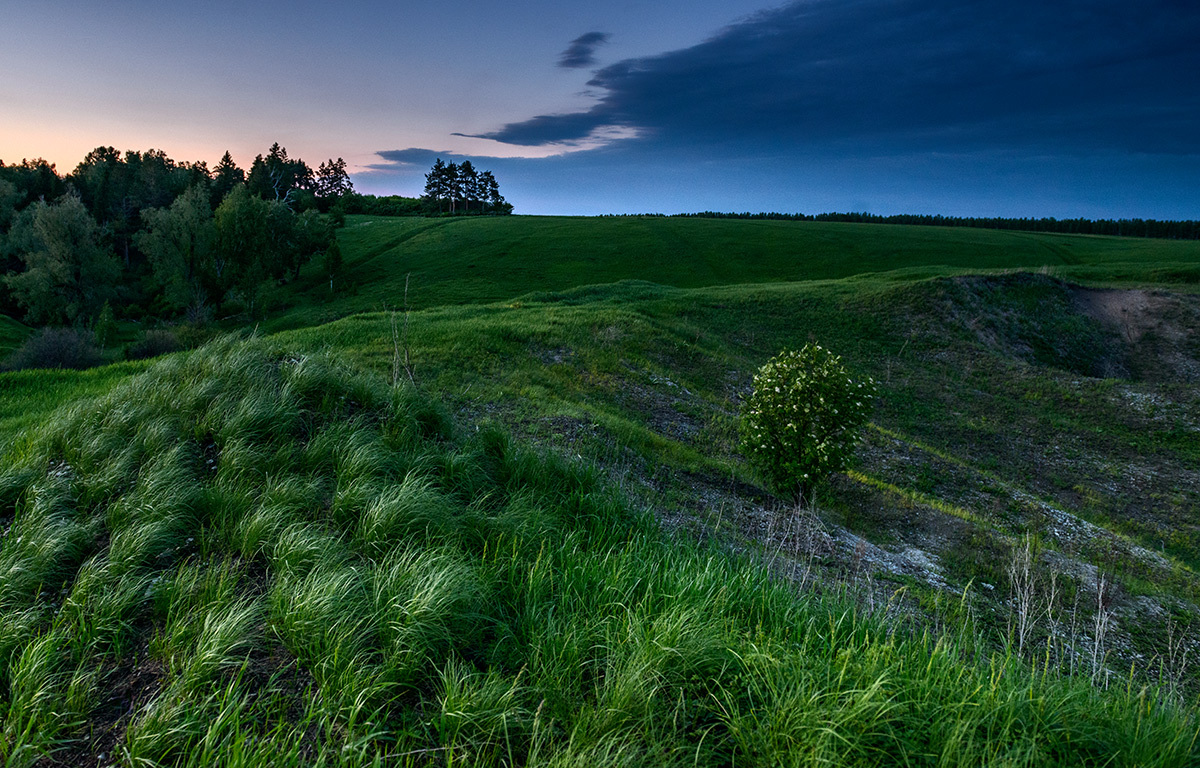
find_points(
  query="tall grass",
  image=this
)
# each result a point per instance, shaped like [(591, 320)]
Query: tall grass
[(248, 555)]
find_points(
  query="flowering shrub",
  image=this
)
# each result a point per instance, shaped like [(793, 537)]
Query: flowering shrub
[(802, 421)]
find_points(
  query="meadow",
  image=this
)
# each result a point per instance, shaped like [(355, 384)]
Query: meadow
[(502, 520), (479, 260)]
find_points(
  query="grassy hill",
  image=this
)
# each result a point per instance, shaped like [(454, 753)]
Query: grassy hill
[(265, 557), (479, 259), (548, 551), (1006, 411)]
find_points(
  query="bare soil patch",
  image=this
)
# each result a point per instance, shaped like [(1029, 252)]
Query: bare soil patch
[(1159, 328)]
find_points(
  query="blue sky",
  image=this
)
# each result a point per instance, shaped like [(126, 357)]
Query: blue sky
[(926, 106)]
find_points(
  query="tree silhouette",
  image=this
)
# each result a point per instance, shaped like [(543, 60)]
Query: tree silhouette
[(226, 176), (278, 177), (446, 185), (332, 181)]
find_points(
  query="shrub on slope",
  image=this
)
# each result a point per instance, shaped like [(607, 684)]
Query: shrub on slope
[(71, 348), (250, 556)]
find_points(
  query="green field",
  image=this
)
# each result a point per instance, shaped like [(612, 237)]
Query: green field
[(509, 526), (478, 260)]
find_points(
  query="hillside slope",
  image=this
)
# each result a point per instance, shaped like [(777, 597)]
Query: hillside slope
[(253, 555), (178, 552), (1010, 413)]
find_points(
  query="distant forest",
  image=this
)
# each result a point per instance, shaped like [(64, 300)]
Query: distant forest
[(1168, 230), (140, 235)]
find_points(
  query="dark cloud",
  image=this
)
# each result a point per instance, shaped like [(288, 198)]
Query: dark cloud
[(581, 52), (552, 129), (419, 159), (1074, 75), (414, 162), (395, 158)]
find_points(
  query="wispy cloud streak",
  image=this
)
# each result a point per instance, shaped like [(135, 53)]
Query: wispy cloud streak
[(581, 53)]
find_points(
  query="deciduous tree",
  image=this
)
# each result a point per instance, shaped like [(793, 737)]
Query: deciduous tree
[(241, 229), (180, 241), (35, 179), (68, 273), (10, 197)]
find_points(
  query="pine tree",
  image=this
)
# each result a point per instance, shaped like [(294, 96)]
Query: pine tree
[(464, 183), (468, 180), (277, 176), (226, 176), (453, 186), (332, 180), (490, 191), (435, 183)]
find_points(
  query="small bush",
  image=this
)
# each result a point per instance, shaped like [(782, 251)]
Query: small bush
[(154, 343), (56, 348), (801, 422)]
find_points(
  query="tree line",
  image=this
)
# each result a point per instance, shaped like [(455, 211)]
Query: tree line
[(1148, 228), (149, 235)]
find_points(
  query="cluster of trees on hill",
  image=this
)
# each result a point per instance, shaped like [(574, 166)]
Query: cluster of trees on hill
[(1152, 228), (450, 189), (149, 235), (461, 189)]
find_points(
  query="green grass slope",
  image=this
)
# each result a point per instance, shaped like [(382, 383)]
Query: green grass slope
[(253, 555), (28, 397), (12, 334), (482, 259), (266, 552), (1007, 411)]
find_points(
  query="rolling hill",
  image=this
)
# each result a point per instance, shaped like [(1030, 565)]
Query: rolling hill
[(479, 259), (510, 525)]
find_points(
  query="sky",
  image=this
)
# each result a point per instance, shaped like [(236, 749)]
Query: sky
[(986, 108)]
